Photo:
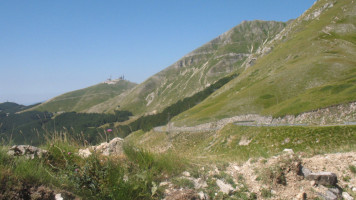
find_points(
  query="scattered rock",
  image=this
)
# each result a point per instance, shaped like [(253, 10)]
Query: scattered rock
[(328, 195), (244, 141), (224, 187), (58, 197), (185, 173), (347, 196), (305, 171), (354, 189), (312, 183), (164, 183), (302, 196), (290, 151), (335, 190), (323, 178), (237, 168), (199, 183), (286, 141), (182, 194), (203, 196), (30, 152)]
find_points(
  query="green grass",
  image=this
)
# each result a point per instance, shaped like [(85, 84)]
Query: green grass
[(83, 99), (135, 176), (223, 145), (183, 183), (268, 141), (300, 74)]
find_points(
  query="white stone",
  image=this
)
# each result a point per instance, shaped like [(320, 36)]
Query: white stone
[(237, 168), (224, 187), (58, 196), (312, 183), (203, 196), (29, 152), (290, 151), (199, 183), (84, 153), (353, 189), (164, 183), (301, 196), (185, 173), (347, 196), (109, 148)]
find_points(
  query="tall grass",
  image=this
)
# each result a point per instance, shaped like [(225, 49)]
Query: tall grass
[(135, 176)]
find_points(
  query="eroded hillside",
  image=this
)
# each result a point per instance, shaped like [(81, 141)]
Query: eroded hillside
[(311, 65), (196, 70)]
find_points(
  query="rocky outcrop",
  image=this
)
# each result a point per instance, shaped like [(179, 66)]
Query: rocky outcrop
[(323, 178), (27, 151), (113, 148)]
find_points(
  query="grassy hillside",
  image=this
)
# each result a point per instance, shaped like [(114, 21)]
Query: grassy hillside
[(311, 65), (197, 70), (240, 143), (10, 107), (81, 100)]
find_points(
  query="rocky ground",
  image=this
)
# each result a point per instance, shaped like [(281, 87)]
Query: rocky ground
[(286, 176)]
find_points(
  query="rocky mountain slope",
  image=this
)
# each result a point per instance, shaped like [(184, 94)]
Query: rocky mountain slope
[(197, 70), (83, 99), (308, 65)]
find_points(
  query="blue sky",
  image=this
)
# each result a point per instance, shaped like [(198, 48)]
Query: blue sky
[(48, 48)]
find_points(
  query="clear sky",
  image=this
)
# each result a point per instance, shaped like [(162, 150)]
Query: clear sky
[(48, 48)]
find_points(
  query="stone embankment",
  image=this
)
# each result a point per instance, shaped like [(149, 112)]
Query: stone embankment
[(341, 114)]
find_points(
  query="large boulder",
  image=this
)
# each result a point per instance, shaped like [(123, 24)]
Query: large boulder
[(323, 178), (27, 151)]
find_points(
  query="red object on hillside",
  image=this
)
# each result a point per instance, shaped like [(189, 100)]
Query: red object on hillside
[(109, 130)]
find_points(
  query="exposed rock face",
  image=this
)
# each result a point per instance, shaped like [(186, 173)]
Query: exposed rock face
[(28, 151), (114, 147), (316, 13), (84, 152), (203, 66), (323, 178)]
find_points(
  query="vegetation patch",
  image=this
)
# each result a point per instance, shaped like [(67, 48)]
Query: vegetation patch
[(135, 176), (35, 128)]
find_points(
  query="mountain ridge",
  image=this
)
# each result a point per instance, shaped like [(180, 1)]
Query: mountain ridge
[(310, 66), (196, 70), (82, 99)]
